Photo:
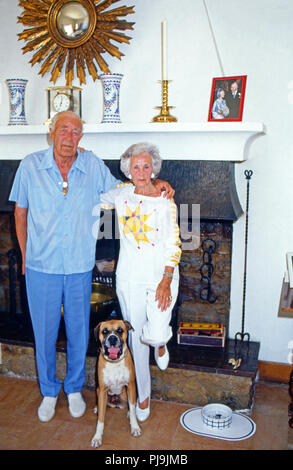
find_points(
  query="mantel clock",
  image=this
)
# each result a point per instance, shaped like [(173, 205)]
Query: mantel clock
[(63, 98)]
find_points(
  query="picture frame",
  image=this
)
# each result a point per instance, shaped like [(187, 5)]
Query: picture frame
[(223, 106), (290, 268)]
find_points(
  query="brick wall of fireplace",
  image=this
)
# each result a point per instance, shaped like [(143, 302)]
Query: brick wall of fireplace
[(205, 276)]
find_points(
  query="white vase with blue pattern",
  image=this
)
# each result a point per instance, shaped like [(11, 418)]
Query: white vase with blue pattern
[(16, 88), (111, 88)]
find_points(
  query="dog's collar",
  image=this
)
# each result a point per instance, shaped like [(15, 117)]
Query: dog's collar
[(114, 362)]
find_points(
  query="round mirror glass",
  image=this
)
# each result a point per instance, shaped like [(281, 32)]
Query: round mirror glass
[(73, 20)]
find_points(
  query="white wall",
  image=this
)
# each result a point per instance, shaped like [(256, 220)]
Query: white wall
[(254, 38)]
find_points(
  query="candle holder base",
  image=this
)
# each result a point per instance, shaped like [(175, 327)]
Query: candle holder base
[(164, 115)]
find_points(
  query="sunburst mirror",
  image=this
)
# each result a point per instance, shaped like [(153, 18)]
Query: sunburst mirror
[(75, 32)]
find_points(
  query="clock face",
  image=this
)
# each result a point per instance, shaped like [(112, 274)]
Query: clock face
[(63, 98), (61, 102)]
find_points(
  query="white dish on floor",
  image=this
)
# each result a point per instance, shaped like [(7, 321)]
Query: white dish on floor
[(241, 426)]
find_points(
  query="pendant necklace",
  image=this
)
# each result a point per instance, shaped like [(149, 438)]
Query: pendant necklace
[(64, 188)]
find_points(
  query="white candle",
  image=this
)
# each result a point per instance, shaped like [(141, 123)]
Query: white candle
[(164, 50)]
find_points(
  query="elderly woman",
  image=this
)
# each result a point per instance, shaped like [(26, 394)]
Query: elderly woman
[(147, 271), (220, 109)]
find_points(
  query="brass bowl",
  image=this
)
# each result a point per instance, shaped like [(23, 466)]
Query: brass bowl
[(102, 295)]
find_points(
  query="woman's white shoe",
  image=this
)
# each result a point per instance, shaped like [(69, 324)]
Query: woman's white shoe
[(162, 361), (142, 414)]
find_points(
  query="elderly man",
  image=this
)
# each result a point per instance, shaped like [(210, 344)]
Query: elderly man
[(55, 191), (233, 100)]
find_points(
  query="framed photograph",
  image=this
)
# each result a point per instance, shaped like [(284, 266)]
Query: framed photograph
[(290, 268), (227, 98)]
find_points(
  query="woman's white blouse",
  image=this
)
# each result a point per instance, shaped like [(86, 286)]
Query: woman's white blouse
[(149, 234)]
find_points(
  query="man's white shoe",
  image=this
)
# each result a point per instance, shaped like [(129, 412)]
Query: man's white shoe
[(77, 404), (46, 410)]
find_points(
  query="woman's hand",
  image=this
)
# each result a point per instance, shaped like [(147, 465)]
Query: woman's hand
[(163, 294), (165, 186)]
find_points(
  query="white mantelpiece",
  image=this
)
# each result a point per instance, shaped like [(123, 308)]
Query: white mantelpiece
[(226, 141)]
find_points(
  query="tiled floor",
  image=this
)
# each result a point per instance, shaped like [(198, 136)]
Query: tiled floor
[(21, 429)]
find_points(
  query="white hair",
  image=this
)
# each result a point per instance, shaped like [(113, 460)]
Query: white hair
[(69, 114), (137, 149)]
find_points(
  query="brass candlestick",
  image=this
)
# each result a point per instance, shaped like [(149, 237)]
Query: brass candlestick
[(164, 115)]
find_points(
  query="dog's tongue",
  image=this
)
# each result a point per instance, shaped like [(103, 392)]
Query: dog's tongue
[(113, 352)]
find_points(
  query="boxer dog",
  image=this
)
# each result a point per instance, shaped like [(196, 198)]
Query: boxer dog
[(115, 371)]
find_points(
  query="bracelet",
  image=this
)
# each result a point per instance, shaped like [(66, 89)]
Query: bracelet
[(168, 274)]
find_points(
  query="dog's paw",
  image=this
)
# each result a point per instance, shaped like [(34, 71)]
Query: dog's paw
[(96, 441), (96, 410), (135, 431)]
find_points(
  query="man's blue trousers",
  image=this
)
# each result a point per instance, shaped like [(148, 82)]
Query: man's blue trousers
[(46, 294)]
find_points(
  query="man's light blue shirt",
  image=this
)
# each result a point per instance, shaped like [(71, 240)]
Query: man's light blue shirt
[(59, 228)]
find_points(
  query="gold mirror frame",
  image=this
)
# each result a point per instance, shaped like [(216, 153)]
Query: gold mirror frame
[(54, 50), (53, 29)]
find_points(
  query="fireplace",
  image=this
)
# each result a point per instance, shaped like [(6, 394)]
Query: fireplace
[(204, 292), (202, 174), (205, 267)]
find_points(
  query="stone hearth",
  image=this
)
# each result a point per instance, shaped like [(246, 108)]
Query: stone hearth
[(195, 375)]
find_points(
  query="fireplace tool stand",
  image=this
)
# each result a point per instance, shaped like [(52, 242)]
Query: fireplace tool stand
[(240, 336)]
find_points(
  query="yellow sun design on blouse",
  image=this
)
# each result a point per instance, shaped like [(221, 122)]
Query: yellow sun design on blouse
[(73, 35), (134, 222)]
